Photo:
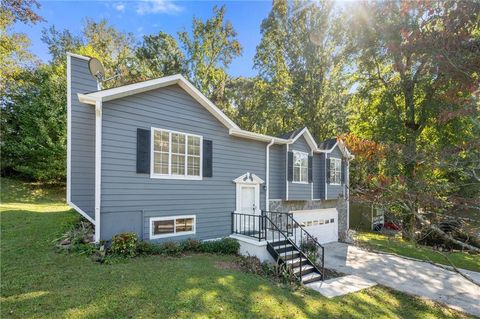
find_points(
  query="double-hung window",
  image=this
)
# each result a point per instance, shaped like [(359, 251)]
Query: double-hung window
[(300, 167), (176, 155), (335, 171)]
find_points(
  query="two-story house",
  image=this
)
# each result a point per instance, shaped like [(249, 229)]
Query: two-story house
[(159, 159)]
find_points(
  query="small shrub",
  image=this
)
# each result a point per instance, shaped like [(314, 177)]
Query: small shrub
[(278, 273), (310, 248), (226, 246), (170, 248), (124, 244), (146, 248), (192, 245)]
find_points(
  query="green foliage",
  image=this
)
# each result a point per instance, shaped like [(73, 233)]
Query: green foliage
[(35, 278), (210, 49), (279, 273), (301, 63), (309, 246), (33, 125), (124, 244), (159, 55), (227, 246)]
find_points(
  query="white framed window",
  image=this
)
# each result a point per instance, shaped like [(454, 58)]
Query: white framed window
[(300, 167), (161, 227), (175, 155), (335, 171)]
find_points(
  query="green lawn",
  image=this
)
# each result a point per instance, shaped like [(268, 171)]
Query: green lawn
[(404, 248), (36, 282)]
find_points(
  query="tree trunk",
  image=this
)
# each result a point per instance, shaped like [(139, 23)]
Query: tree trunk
[(446, 236), (409, 161)]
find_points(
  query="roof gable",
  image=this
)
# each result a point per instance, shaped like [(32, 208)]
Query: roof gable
[(136, 88)]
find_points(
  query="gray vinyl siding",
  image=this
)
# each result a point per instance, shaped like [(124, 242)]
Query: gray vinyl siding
[(318, 176), (82, 128), (334, 191), (277, 171), (300, 191), (130, 199)]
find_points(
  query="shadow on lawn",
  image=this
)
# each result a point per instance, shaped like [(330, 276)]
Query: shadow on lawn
[(36, 281)]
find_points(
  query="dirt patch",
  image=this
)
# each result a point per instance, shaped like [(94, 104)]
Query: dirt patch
[(227, 265)]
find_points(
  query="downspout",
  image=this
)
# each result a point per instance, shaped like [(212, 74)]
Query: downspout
[(267, 174), (347, 190), (98, 166), (286, 174)]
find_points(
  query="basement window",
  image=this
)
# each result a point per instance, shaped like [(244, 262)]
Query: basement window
[(161, 227)]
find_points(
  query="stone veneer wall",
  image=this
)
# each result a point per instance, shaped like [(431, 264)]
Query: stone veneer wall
[(340, 204)]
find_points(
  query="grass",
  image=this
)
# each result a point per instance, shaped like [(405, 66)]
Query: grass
[(409, 249), (39, 283)]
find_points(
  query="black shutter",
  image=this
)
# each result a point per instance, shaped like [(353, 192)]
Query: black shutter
[(310, 169), (143, 151), (290, 166), (327, 171), (343, 171), (207, 158)]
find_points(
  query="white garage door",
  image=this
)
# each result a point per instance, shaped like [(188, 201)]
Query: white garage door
[(320, 223)]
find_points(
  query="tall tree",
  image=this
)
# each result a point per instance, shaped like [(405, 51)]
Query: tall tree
[(159, 55), (300, 59), (34, 125), (14, 54), (414, 61), (210, 50)]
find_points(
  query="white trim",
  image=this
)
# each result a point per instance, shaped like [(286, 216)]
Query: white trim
[(98, 167), (336, 160), (69, 127), (247, 180), (310, 140), (293, 167), (311, 187), (174, 218), (81, 212), (257, 136), (267, 175), (325, 173), (127, 90), (70, 54), (275, 199), (170, 176)]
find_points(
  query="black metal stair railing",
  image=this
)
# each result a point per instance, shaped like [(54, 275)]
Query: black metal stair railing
[(282, 232), (251, 225), (302, 238)]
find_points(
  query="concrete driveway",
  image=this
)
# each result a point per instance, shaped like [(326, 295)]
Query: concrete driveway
[(412, 277)]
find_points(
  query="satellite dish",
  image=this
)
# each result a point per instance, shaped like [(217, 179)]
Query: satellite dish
[(96, 69)]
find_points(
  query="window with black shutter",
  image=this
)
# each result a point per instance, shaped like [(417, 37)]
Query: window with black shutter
[(310, 169), (207, 158), (290, 166), (143, 151)]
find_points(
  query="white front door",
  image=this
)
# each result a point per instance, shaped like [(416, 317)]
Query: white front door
[(248, 200)]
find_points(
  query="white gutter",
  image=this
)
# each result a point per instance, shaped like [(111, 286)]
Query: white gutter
[(98, 167), (267, 175)]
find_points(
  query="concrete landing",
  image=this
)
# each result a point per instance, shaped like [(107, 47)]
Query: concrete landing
[(341, 286)]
